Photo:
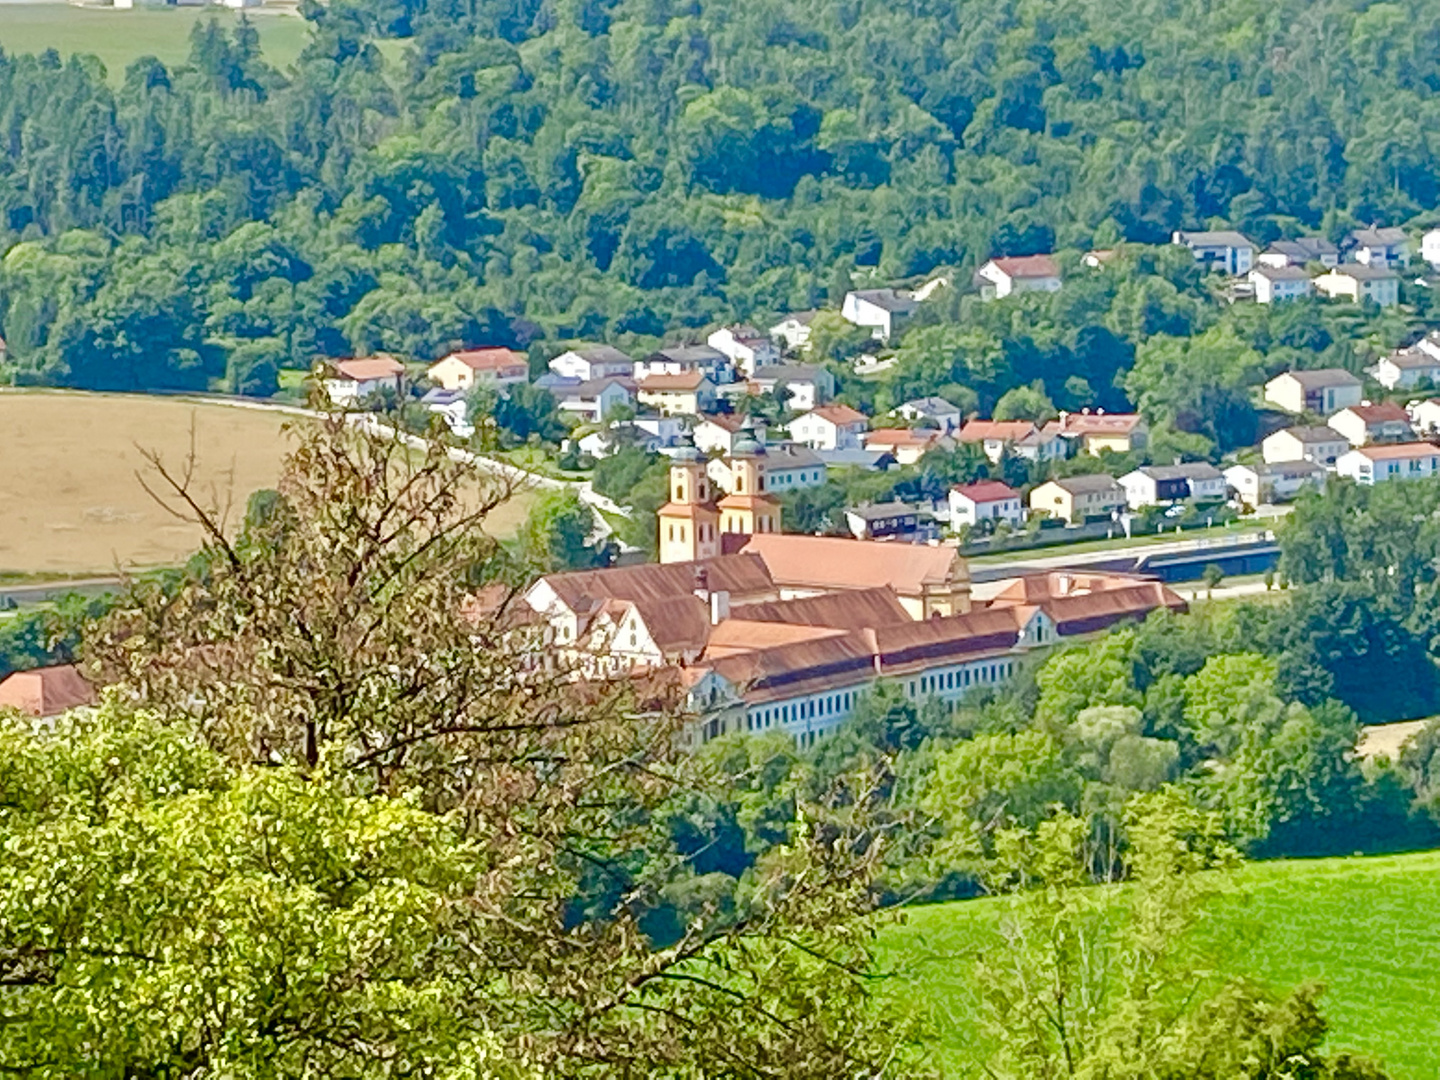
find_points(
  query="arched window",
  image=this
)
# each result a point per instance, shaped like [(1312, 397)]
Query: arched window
[(739, 483)]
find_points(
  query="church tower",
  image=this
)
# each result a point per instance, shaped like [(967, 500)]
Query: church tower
[(689, 522), (749, 508)]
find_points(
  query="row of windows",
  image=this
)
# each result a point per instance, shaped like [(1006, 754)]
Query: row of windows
[(703, 531), (816, 708), (960, 680)]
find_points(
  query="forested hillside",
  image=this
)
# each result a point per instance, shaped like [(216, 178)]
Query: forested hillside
[(575, 168)]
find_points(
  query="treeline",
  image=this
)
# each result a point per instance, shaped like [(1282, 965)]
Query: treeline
[(622, 170)]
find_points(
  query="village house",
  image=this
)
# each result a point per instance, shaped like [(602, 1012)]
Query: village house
[(830, 427), (586, 362), (1394, 461), (929, 411), (984, 500), (1224, 251), (1405, 369), (746, 347), (42, 693), (805, 386), (787, 468), (908, 445), (469, 368), (885, 521), (1159, 485), (350, 382), (1322, 390), (1258, 485), (1360, 283), (1022, 438), (595, 399), (881, 310), (794, 330), (1425, 415), (452, 406), (1302, 251), (1430, 247), (859, 458), (718, 433), (1273, 284), (1379, 247), (687, 360), (1096, 432), (1078, 499), (1320, 444), (677, 395), (1002, 276), (1365, 424)]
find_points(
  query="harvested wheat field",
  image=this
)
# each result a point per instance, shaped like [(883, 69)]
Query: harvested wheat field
[(70, 500)]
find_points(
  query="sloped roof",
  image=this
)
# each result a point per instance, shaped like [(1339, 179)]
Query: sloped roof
[(489, 359), (902, 437), (829, 662), (880, 511), (48, 691), (687, 380), (585, 590), (834, 562), (839, 414), (1027, 266), (1378, 237), (1383, 413), (854, 609), (689, 354), (983, 491), (1364, 272), (1188, 470), (735, 636), (1310, 433), (1304, 247), (1413, 358), (888, 299), (601, 354), (791, 456), (950, 636), (1007, 430), (1086, 484), (1319, 378), (790, 373), (1085, 613), (1399, 451), (1215, 238), (1099, 423), (374, 367), (1282, 273)]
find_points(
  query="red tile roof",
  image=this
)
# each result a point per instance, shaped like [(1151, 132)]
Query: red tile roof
[(1028, 266), (489, 359), (1007, 430), (689, 380), (375, 367), (46, 691), (1099, 423), (1379, 414), (839, 414), (983, 491)]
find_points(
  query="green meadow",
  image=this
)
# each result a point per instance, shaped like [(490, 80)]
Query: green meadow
[(1365, 928), (119, 38)]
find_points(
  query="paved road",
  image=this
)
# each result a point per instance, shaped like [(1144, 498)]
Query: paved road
[(1058, 558)]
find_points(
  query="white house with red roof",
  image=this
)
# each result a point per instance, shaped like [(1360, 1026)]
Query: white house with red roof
[(1364, 424), (1017, 273), (985, 500), (469, 368), (351, 381), (1390, 461), (830, 427)]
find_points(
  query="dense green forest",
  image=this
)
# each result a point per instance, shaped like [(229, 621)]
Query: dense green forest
[(541, 170)]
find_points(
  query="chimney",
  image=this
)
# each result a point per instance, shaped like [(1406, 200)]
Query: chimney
[(702, 583), (1063, 584), (719, 606)]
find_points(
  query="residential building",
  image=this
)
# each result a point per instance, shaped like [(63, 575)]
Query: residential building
[(1222, 251), (804, 386), (1098, 431), (452, 406), (1157, 485), (787, 468), (1257, 485), (985, 500), (469, 368), (746, 347), (1022, 438), (1405, 369), (830, 427), (881, 310), (677, 395), (595, 399), (1430, 247), (1078, 499), (1273, 284), (350, 382), (687, 360), (1379, 247), (884, 521), (1302, 251), (1320, 444), (859, 458), (1361, 283), (1002, 276), (794, 330), (929, 581), (586, 362), (1425, 415), (720, 432), (1322, 390), (908, 445), (1365, 424), (41, 693), (1393, 461), (930, 411)]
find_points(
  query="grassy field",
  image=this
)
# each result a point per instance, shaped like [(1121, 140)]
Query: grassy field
[(1365, 928), (119, 38), (72, 502)]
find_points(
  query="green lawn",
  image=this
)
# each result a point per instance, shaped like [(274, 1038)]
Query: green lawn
[(1367, 928), (119, 38), (1063, 547)]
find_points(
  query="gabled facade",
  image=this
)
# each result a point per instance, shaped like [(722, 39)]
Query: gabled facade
[(1157, 485), (1220, 251), (1362, 425), (746, 348), (830, 427), (985, 500), (1361, 283), (1275, 284), (1395, 461), (1002, 276), (586, 362), (882, 310), (1323, 391), (470, 368)]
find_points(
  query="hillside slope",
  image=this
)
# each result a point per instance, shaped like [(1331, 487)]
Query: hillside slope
[(1366, 928)]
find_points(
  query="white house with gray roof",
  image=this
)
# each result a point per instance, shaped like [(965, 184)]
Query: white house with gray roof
[(879, 309), (1154, 485), (1221, 250)]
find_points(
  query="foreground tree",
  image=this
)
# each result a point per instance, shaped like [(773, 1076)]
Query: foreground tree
[(339, 818)]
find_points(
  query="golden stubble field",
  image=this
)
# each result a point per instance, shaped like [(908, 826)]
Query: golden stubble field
[(70, 501)]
